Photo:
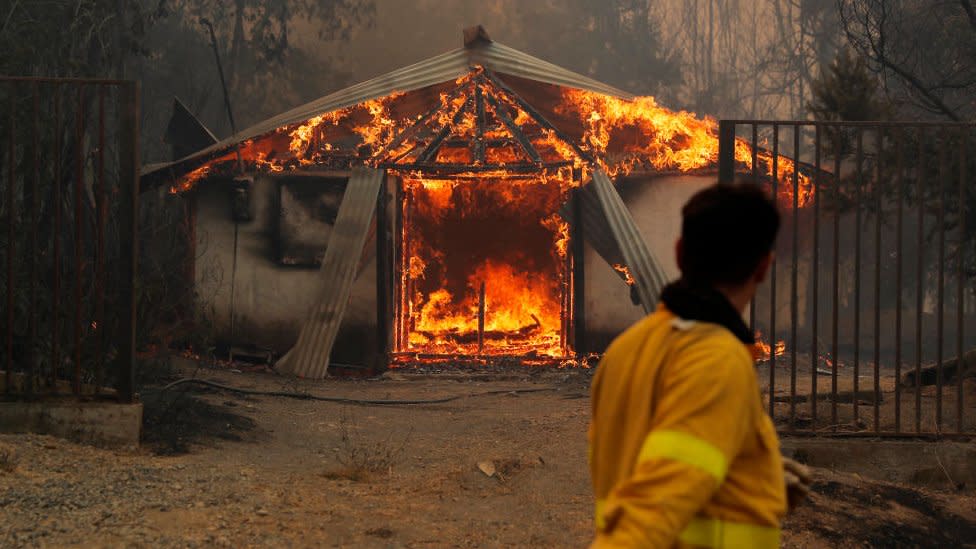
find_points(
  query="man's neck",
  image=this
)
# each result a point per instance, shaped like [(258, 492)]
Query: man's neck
[(739, 295)]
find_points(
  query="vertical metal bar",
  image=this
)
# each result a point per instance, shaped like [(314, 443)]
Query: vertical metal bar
[(859, 182), (877, 282), (794, 293), (961, 279), (35, 189), (726, 151), (755, 179), (899, 272), (11, 247), (920, 273), (481, 318), (772, 282), (579, 276), (56, 244), (128, 228), (940, 283), (815, 273), (79, 241), (101, 206), (835, 306)]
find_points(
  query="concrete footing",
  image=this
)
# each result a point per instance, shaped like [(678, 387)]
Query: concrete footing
[(922, 463), (100, 423)]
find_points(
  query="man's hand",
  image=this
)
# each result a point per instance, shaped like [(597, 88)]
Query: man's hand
[(798, 479)]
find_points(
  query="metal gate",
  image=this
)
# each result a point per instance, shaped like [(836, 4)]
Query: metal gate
[(871, 298), (69, 151)]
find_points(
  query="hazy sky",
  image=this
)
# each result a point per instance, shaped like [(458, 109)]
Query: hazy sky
[(407, 32)]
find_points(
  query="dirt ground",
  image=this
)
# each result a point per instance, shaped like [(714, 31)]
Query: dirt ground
[(220, 469), (860, 414)]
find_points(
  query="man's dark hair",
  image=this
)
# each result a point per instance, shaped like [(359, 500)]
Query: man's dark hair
[(726, 230)]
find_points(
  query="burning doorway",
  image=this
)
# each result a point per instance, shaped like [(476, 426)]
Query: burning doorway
[(484, 268)]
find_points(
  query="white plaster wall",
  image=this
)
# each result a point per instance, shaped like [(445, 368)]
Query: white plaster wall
[(655, 204)]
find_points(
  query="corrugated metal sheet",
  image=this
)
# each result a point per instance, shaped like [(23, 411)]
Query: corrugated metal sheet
[(503, 59), (435, 70), (648, 275), (310, 356), (596, 228)]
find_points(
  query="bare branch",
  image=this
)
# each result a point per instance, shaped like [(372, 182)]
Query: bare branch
[(967, 6)]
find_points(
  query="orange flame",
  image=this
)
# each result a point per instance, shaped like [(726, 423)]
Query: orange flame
[(622, 136), (622, 269), (525, 290), (762, 351)]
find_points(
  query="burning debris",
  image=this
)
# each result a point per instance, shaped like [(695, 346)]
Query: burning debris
[(763, 351)]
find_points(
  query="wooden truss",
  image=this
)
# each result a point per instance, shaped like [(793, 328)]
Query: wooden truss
[(471, 139)]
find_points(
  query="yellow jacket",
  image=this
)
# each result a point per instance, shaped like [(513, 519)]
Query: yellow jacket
[(681, 451)]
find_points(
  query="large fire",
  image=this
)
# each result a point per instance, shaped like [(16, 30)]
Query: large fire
[(622, 136)]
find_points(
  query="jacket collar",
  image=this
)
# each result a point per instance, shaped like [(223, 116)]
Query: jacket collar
[(705, 304)]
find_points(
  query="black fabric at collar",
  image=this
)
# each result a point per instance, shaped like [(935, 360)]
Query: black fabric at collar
[(706, 305)]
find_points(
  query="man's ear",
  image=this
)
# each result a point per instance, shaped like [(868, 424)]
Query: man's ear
[(679, 254), (762, 269)]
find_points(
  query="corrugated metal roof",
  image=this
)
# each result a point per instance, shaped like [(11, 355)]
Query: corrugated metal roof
[(310, 356), (435, 70), (649, 277)]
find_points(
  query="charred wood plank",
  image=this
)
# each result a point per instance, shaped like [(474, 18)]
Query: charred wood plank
[(479, 142), (415, 127), (480, 337), (489, 143), (454, 169)]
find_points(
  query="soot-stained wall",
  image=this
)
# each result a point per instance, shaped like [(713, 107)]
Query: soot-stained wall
[(271, 300)]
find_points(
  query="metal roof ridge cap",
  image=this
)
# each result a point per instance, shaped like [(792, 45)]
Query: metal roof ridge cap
[(530, 60)]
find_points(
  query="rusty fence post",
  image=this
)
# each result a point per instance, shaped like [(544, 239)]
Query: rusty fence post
[(726, 151), (128, 228)]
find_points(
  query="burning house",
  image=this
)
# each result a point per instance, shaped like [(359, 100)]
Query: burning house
[(474, 249)]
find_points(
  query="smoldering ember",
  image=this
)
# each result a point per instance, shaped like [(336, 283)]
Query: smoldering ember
[(357, 273)]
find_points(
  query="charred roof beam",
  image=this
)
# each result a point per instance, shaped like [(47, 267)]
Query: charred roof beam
[(438, 169), (414, 128), (430, 152), (537, 116), (502, 115), (479, 141)]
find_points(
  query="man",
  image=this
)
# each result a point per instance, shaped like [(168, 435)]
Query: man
[(682, 452)]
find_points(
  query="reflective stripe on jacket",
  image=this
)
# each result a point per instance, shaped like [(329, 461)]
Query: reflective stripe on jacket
[(681, 451)]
